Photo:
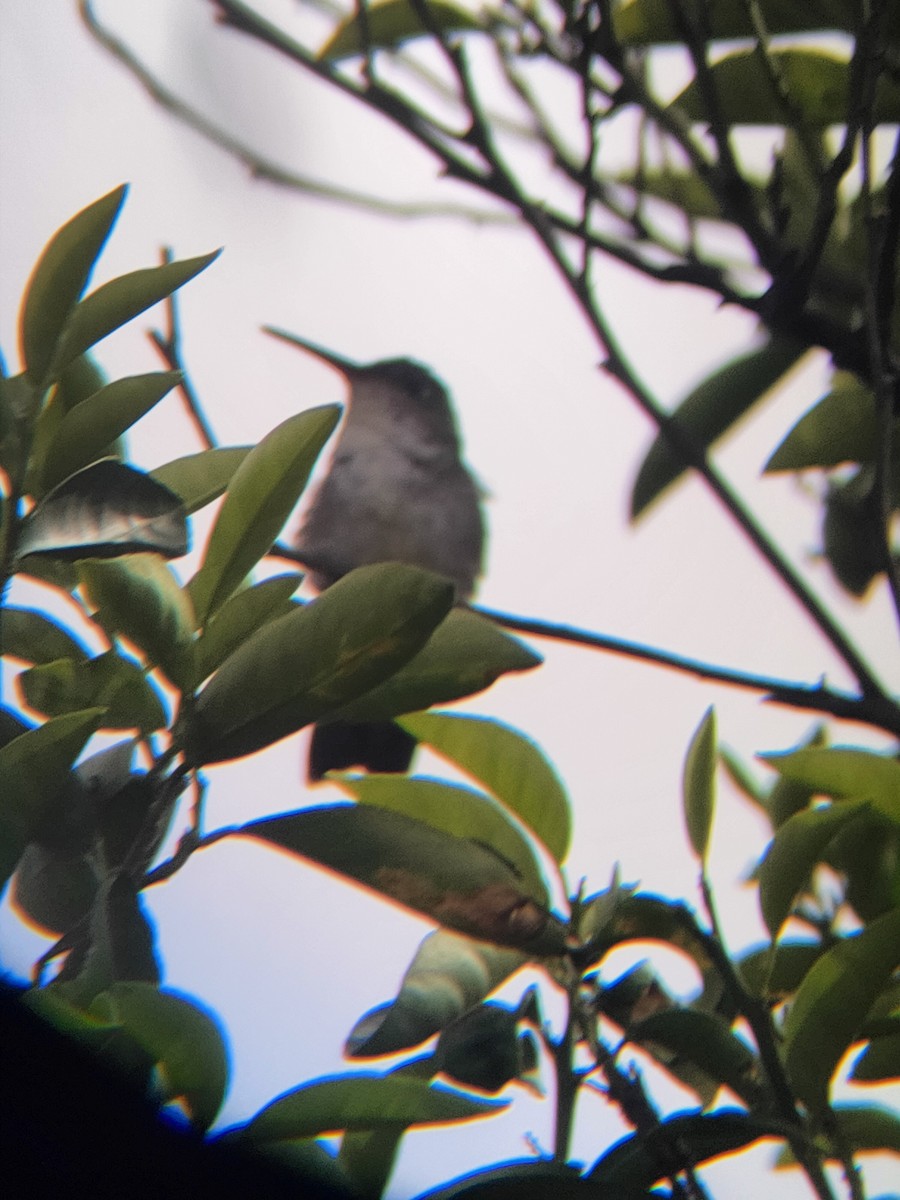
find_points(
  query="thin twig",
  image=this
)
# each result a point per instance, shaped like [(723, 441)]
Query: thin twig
[(168, 344)]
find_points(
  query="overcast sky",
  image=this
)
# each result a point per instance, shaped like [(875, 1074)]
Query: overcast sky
[(287, 956)]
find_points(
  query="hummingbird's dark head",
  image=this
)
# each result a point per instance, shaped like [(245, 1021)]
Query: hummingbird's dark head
[(409, 394)]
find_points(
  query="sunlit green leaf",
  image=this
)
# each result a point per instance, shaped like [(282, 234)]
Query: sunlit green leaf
[(508, 764), (456, 810), (840, 428), (654, 22), (60, 277), (139, 597), (454, 881), (301, 666), (201, 478), (86, 431), (845, 774), (33, 769), (448, 975), (103, 511), (698, 784), (465, 654), (262, 494), (832, 1003), (797, 847), (240, 616), (817, 83), (390, 23), (115, 303), (362, 1102), (710, 410), (185, 1041)]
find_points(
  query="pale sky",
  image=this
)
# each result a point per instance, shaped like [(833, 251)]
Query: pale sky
[(267, 943)]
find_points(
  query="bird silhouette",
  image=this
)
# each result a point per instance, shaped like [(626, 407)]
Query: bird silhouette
[(397, 490)]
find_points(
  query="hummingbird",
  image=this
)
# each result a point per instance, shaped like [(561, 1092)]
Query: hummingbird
[(397, 490)]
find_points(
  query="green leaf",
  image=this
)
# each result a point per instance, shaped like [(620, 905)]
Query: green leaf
[(139, 597), (654, 22), (201, 478), (387, 25), (60, 277), (818, 85), (879, 1062), (775, 972), (841, 428), (36, 638), (85, 432), (637, 1161), (449, 975), (465, 655), (115, 303), (363, 1101), (34, 767), (103, 511), (698, 784), (108, 681), (456, 810), (263, 492), (832, 1004), (705, 1041), (482, 1049), (796, 848), (710, 410), (453, 881), (183, 1039), (308, 663), (19, 401), (239, 617), (54, 889), (844, 774), (508, 764), (852, 531), (531, 1179)]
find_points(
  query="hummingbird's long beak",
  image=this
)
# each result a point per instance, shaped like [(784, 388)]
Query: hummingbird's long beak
[(346, 366)]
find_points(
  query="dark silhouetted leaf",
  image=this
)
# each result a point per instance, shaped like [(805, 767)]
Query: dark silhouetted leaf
[(36, 638), (139, 597), (776, 972), (54, 889), (108, 681), (390, 23), (453, 881), (106, 510), (705, 1041), (260, 498), (201, 478), (465, 654), (86, 431), (833, 1002), (852, 531), (698, 784), (509, 765), (183, 1039), (482, 1049), (531, 1179), (639, 1160), (448, 975), (364, 1101), (880, 1061), (33, 770), (710, 410), (115, 303), (60, 277), (301, 666), (456, 810)]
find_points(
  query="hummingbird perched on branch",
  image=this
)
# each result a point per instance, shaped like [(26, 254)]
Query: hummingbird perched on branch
[(397, 491)]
